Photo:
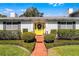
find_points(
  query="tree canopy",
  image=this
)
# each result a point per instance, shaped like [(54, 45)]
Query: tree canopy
[(32, 12), (2, 15)]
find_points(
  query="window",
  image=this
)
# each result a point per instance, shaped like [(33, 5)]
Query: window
[(11, 25), (66, 25)]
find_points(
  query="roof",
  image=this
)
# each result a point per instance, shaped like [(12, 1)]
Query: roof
[(74, 14), (43, 18)]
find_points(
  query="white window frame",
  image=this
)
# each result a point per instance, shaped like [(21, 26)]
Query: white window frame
[(66, 25)]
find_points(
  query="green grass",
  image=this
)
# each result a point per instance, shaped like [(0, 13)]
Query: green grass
[(49, 45), (68, 50), (28, 46), (12, 50)]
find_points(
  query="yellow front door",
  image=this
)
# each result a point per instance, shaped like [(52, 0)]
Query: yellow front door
[(39, 28)]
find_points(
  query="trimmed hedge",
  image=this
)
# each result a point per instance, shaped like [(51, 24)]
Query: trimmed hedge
[(62, 43), (28, 37), (10, 34), (49, 38), (65, 42), (68, 34)]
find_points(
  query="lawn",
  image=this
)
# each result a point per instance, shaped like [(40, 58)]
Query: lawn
[(68, 50), (13, 50), (21, 43)]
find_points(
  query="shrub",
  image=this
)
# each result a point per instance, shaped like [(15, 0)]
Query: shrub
[(68, 34), (76, 34), (49, 38), (25, 30), (9, 35), (62, 42), (2, 34), (65, 33), (28, 36), (65, 42), (53, 31)]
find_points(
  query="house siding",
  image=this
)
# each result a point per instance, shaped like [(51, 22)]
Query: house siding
[(77, 25), (1, 25), (50, 25), (27, 25)]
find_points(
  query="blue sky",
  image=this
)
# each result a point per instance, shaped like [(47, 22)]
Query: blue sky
[(49, 9)]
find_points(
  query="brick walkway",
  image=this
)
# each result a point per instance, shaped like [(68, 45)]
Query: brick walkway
[(40, 49)]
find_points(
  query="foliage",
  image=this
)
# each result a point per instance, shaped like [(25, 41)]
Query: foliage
[(63, 42), (2, 15), (50, 37), (53, 31), (32, 12), (9, 35), (28, 36), (68, 34)]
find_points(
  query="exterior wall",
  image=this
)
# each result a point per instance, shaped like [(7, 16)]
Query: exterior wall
[(27, 25), (1, 25), (77, 25), (50, 25)]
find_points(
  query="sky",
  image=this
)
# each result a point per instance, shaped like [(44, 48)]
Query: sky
[(49, 9)]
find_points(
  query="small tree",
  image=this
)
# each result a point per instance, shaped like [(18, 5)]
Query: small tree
[(32, 12), (28, 36)]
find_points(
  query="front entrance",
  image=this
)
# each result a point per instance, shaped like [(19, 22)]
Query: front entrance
[(39, 27)]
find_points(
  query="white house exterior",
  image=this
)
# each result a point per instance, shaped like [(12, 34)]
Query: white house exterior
[(51, 23)]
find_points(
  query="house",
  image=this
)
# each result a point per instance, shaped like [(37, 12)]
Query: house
[(39, 25)]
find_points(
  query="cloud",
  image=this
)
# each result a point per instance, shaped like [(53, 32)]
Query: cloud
[(23, 10), (8, 10), (56, 4), (20, 11)]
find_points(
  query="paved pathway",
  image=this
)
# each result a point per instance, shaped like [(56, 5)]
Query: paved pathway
[(40, 49)]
